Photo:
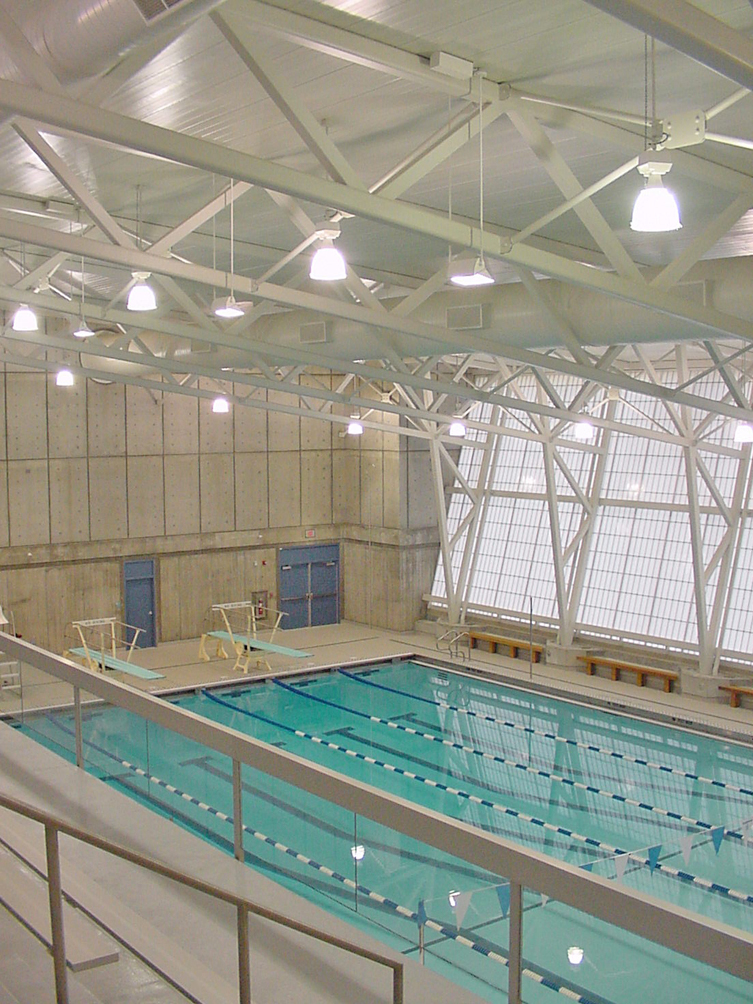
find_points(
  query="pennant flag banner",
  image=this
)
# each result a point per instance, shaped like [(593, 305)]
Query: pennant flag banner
[(717, 835), (462, 902), (421, 913), (653, 857), (503, 895), (686, 845), (620, 864), (589, 867), (544, 899)]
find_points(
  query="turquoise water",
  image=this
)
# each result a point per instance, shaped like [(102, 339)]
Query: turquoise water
[(416, 732)]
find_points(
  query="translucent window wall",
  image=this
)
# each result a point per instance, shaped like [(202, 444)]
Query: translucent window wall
[(637, 576)]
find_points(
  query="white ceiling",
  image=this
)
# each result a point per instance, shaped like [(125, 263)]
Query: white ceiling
[(357, 75)]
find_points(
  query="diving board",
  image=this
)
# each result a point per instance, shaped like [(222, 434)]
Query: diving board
[(107, 661), (243, 640)]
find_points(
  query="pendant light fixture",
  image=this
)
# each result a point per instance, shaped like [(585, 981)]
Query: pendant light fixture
[(744, 430), (225, 306), (479, 275), (64, 378), (584, 431), (24, 318), (355, 428), (141, 295), (457, 429), (220, 406), (655, 209), (82, 329), (328, 265)]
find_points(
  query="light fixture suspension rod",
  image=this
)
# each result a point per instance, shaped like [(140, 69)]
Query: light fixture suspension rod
[(481, 74), (232, 236), (654, 136), (83, 288)]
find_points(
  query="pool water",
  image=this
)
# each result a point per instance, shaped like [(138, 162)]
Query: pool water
[(570, 781)]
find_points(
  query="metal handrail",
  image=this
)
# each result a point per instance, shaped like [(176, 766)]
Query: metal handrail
[(710, 941), (53, 825)]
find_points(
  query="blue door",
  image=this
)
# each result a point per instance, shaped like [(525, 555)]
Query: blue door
[(138, 579), (310, 585)]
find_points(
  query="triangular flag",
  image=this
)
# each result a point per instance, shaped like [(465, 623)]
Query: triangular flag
[(717, 835), (503, 895), (620, 864), (588, 868), (653, 857), (686, 844), (462, 902), (544, 899), (421, 913)]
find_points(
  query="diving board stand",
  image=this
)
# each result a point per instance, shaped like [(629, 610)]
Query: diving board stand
[(104, 656), (243, 639)]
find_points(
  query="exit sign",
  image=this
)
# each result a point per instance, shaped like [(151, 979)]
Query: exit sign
[(310, 534)]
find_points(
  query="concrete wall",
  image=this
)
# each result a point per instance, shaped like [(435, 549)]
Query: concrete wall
[(95, 473)]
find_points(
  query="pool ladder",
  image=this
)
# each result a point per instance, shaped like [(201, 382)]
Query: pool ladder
[(455, 640)]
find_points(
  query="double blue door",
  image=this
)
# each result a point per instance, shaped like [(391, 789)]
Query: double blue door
[(310, 585), (138, 581)]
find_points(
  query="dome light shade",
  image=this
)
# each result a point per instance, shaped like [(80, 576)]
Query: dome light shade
[(457, 428), (479, 276), (82, 330), (354, 426), (744, 432), (64, 378), (226, 307), (220, 406), (584, 430), (25, 319), (141, 296), (655, 210), (327, 265)]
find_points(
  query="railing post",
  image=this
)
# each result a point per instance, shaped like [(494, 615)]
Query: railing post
[(397, 984), (77, 724), (244, 962), (516, 939), (238, 812), (56, 913)]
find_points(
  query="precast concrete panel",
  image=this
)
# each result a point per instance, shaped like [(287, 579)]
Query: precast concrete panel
[(250, 425), (422, 508), (78, 591), (106, 419), (3, 430), (182, 511), (316, 486), (285, 489), (217, 492), (181, 423), (143, 421), (170, 598), (371, 487), (345, 486), (258, 575), (28, 495), (26, 408), (3, 504), (69, 500), (251, 512), (315, 434), (26, 596), (107, 497), (395, 465), (146, 497), (391, 440), (66, 418), (284, 430), (215, 430)]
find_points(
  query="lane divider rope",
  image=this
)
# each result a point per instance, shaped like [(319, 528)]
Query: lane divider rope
[(403, 911), (627, 757), (706, 884), (526, 768)]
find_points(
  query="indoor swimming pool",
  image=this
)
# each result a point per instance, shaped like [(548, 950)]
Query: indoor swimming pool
[(659, 809)]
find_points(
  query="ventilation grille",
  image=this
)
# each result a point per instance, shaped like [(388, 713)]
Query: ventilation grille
[(150, 9), (465, 318), (312, 334)]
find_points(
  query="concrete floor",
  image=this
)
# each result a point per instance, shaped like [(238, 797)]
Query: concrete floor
[(203, 948)]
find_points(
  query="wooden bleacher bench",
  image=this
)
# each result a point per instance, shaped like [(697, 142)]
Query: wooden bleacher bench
[(513, 644), (618, 666), (735, 691)]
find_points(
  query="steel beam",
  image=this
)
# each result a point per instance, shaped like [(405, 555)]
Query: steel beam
[(691, 31)]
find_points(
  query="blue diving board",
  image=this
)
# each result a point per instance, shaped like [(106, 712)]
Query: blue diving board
[(119, 664), (264, 646)]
